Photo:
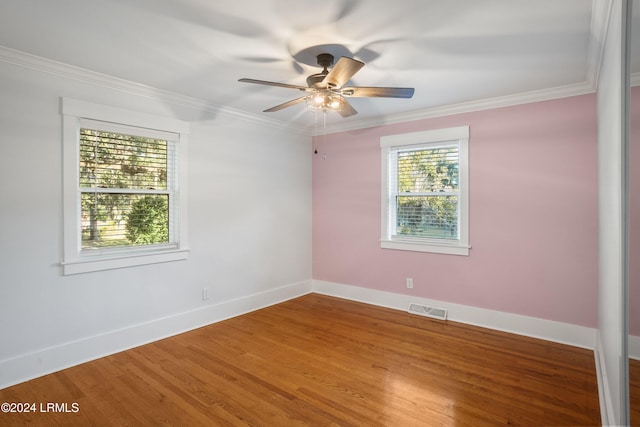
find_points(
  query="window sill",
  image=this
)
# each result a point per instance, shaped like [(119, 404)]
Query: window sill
[(90, 264), (433, 247)]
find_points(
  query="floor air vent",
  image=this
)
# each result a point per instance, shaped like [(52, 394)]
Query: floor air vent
[(423, 310)]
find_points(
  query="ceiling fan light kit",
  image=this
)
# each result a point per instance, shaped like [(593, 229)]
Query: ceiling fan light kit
[(325, 89), (324, 100)]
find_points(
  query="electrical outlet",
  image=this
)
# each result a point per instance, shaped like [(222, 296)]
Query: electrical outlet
[(205, 294), (409, 283)]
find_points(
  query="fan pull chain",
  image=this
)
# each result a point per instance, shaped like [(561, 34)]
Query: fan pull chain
[(315, 132), (324, 132)]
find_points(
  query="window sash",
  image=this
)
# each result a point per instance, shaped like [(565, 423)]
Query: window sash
[(102, 232), (431, 155), (123, 160), (432, 224)]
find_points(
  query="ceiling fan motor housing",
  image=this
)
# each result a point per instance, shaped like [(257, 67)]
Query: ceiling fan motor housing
[(325, 60)]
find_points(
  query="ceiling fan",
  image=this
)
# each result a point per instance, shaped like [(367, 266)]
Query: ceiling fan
[(325, 91)]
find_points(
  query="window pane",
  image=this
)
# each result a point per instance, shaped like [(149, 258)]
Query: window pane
[(428, 216), (113, 160), (428, 170), (115, 219)]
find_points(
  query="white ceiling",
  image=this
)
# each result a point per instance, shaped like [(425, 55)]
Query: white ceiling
[(451, 51)]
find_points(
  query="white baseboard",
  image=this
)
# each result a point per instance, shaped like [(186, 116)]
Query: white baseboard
[(564, 333), (634, 347), (45, 361)]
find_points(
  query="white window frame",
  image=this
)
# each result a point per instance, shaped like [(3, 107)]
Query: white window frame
[(75, 260), (392, 143)]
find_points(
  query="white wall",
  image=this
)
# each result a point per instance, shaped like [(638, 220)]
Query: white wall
[(611, 355), (249, 227)]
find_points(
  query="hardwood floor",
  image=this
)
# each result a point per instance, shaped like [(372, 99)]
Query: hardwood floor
[(634, 391), (318, 360)]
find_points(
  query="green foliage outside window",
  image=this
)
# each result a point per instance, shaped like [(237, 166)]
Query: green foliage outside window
[(148, 221)]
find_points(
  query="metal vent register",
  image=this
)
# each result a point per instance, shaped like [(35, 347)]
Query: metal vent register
[(424, 310)]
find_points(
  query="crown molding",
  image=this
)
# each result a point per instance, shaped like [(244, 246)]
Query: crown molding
[(60, 69), (465, 107)]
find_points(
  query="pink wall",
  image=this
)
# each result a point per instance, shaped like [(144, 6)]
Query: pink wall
[(533, 214)]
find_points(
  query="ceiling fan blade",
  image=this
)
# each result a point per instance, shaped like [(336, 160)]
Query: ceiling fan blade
[(378, 92), (264, 82), (285, 105), (342, 72), (347, 109), (346, 8)]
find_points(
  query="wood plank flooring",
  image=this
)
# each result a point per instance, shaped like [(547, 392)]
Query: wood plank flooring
[(318, 360), (634, 391)]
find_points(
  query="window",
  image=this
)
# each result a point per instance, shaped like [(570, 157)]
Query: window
[(124, 188), (425, 191)]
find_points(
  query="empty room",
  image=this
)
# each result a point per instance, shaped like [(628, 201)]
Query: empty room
[(349, 212)]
